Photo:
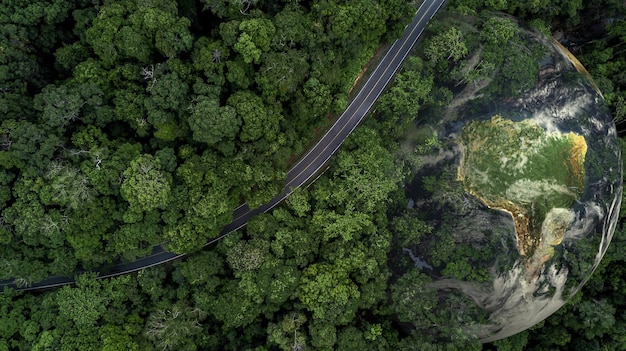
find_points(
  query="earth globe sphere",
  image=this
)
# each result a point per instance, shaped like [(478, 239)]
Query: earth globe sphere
[(520, 188)]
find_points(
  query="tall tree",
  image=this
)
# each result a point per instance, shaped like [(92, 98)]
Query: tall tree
[(258, 120), (146, 186), (212, 123), (254, 39)]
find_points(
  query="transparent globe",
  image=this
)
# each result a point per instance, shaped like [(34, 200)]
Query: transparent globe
[(521, 187)]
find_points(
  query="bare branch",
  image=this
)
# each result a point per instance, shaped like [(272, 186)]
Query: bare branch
[(217, 55)]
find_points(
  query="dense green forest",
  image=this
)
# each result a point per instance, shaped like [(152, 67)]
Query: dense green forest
[(126, 124)]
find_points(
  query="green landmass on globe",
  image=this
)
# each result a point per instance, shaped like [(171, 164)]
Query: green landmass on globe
[(534, 175)]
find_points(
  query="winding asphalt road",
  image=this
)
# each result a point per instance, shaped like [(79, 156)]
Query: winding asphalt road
[(307, 167)]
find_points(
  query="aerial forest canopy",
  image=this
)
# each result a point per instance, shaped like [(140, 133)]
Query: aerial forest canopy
[(126, 124)]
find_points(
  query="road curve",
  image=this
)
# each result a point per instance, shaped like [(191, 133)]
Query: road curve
[(305, 169)]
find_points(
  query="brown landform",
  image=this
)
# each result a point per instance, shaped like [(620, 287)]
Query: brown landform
[(576, 160)]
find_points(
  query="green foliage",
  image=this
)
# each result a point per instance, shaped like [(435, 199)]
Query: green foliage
[(286, 333), (84, 305), (347, 226), (212, 124), (171, 328), (411, 89), (408, 229), (123, 31), (298, 244), (246, 47), (61, 106), (412, 299), (329, 293), (323, 335), (464, 270), (66, 186), (145, 185), (519, 72), (28, 147), (298, 201), (498, 31), (135, 239), (365, 176), (262, 31), (448, 45), (258, 120), (254, 38), (247, 256), (115, 338), (516, 342)]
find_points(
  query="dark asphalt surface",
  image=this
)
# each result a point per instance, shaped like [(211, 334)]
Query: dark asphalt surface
[(306, 168)]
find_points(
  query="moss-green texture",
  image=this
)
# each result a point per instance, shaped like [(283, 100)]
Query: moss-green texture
[(520, 168)]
